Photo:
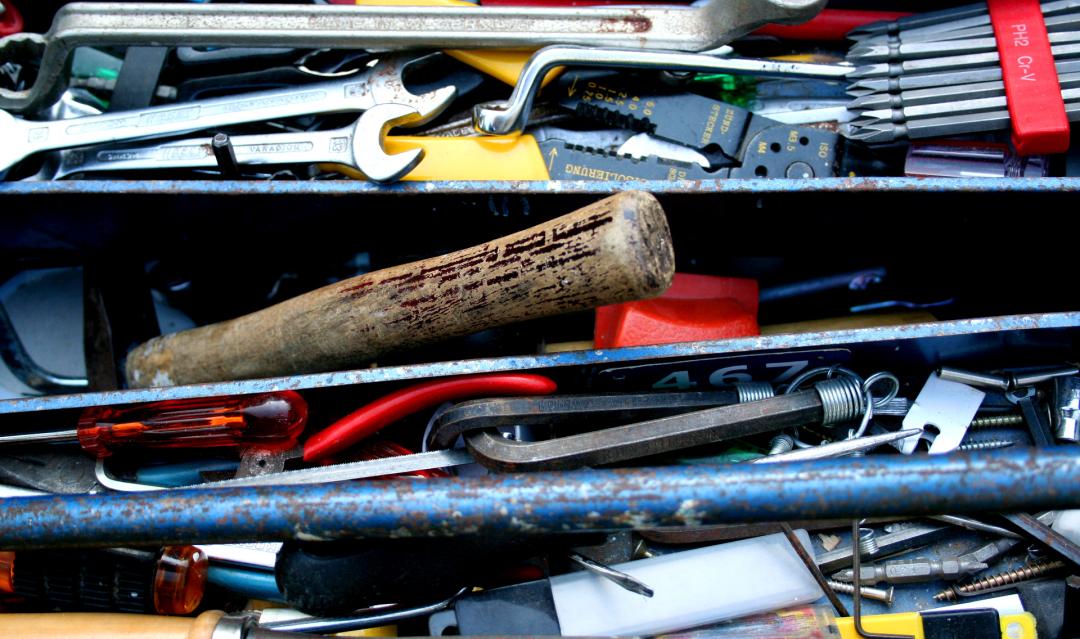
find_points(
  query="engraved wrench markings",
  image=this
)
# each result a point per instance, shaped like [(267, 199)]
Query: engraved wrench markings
[(358, 146)]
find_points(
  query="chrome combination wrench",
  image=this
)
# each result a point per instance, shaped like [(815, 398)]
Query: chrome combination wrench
[(380, 83)]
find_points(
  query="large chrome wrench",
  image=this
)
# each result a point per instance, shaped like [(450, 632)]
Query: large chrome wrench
[(358, 146), (705, 25), (379, 84)]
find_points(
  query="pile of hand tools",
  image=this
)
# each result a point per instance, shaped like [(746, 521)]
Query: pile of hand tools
[(633, 355)]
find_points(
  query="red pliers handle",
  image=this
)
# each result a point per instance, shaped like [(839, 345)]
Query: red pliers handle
[(367, 420), (11, 20)]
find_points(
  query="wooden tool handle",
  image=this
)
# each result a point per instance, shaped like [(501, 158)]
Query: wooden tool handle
[(107, 625), (616, 250)]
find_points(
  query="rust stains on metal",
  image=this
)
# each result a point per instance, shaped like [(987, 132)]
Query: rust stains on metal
[(638, 22)]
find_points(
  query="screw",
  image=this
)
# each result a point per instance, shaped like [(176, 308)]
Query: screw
[(877, 594), (781, 444), (995, 421), (1025, 573), (990, 444)]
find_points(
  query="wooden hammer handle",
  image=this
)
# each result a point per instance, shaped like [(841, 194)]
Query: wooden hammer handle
[(616, 250), (107, 625)]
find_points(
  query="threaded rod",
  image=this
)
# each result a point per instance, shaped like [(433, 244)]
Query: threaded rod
[(996, 421), (1024, 573), (990, 444)]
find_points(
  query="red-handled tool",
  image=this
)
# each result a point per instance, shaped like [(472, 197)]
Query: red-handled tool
[(694, 308), (1040, 125), (268, 421), (10, 19), (370, 418)]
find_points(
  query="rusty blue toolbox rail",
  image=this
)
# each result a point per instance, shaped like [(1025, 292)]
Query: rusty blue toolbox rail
[(1041, 338), (1013, 340), (1001, 481), (350, 187)]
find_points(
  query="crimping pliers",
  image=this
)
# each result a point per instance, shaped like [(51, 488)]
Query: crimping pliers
[(736, 142)]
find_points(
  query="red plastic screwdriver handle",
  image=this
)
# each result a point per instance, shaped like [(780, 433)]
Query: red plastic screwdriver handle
[(268, 420), (361, 423), (1040, 125)]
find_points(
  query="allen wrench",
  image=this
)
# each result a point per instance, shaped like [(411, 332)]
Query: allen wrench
[(812, 566), (856, 599)]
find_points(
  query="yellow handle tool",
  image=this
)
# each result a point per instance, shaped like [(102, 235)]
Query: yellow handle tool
[(1020, 626), (466, 158), (502, 64), (520, 157)]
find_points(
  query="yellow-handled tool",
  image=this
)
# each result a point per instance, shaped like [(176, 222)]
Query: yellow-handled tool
[(950, 624), (527, 157)]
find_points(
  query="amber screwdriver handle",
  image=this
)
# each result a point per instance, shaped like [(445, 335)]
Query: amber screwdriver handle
[(615, 250)]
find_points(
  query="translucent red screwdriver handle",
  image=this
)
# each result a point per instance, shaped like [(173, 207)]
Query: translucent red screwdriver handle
[(268, 420)]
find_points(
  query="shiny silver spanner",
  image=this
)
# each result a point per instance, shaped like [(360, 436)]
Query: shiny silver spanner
[(378, 84), (704, 25), (358, 146)]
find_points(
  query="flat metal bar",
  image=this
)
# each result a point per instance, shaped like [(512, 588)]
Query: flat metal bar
[(591, 410), (999, 481), (808, 560), (244, 188), (642, 439), (1046, 536)]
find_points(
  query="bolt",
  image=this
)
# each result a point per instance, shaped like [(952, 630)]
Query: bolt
[(1025, 573), (996, 421), (990, 444), (781, 444), (904, 571), (877, 594)]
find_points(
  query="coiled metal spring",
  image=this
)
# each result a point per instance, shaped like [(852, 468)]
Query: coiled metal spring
[(868, 545), (753, 391), (842, 399), (781, 444)]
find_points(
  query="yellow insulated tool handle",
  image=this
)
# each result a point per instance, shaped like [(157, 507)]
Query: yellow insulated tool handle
[(1020, 626), (615, 250), (107, 625), (482, 158)]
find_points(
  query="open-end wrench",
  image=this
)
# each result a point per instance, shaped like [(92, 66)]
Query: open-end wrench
[(511, 116), (704, 25), (359, 146), (378, 84)]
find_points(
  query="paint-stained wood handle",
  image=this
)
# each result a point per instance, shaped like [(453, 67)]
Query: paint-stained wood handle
[(616, 250)]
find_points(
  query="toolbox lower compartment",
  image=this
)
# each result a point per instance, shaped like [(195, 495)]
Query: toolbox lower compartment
[(228, 244)]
